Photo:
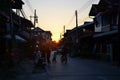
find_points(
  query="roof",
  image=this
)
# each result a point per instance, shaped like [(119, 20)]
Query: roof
[(38, 29), (17, 4), (48, 32), (103, 6), (86, 25), (96, 9), (82, 26), (109, 2), (8, 36), (105, 34), (26, 22)]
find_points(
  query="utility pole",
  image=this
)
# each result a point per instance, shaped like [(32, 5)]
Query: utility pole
[(76, 49), (64, 29), (35, 18), (76, 14), (60, 36)]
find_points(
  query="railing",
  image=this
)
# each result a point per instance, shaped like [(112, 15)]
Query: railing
[(86, 34), (114, 27), (105, 28)]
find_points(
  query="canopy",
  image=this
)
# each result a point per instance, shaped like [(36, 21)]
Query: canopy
[(8, 36)]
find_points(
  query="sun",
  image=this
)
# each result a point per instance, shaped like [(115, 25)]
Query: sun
[(55, 38)]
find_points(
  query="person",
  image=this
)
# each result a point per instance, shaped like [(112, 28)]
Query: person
[(54, 56), (37, 58), (64, 55), (48, 53)]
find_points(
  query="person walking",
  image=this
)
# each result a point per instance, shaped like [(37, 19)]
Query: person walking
[(64, 53), (54, 56), (37, 58), (48, 54)]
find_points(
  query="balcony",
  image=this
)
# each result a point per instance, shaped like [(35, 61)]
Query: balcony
[(105, 28)]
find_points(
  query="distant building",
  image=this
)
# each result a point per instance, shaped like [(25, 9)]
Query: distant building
[(41, 37)]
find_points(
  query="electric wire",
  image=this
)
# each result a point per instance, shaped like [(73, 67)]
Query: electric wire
[(23, 13), (83, 20), (29, 6), (83, 8), (80, 11), (70, 21)]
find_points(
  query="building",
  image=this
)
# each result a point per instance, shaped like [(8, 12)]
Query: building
[(14, 29), (41, 37), (100, 38), (107, 24), (79, 39)]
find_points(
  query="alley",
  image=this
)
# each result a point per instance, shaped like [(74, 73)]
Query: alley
[(75, 69), (28, 36)]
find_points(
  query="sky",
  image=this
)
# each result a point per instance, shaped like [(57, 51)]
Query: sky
[(54, 14)]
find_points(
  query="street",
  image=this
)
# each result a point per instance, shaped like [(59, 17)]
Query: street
[(86, 30), (75, 69)]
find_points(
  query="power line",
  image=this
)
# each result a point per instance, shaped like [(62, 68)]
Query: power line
[(81, 10), (29, 6), (71, 20), (85, 6), (23, 13), (83, 20)]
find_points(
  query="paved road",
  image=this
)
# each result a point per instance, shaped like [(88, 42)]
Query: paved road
[(81, 69), (75, 69)]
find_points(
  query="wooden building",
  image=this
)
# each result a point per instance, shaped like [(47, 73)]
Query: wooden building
[(79, 39), (107, 24)]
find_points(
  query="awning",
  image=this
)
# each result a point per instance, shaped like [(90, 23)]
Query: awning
[(8, 36), (25, 35), (105, 34)]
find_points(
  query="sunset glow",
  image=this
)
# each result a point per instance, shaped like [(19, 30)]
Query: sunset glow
[(54, 14)]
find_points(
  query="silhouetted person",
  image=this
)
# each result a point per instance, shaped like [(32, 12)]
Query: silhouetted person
[(48, 53), (54, 56), (64, 54), (37, 58)]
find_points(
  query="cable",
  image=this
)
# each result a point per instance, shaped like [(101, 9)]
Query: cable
[(71, 20), (83, 20), (81, 10), (29, 6), (85, 6), (23, 13)]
